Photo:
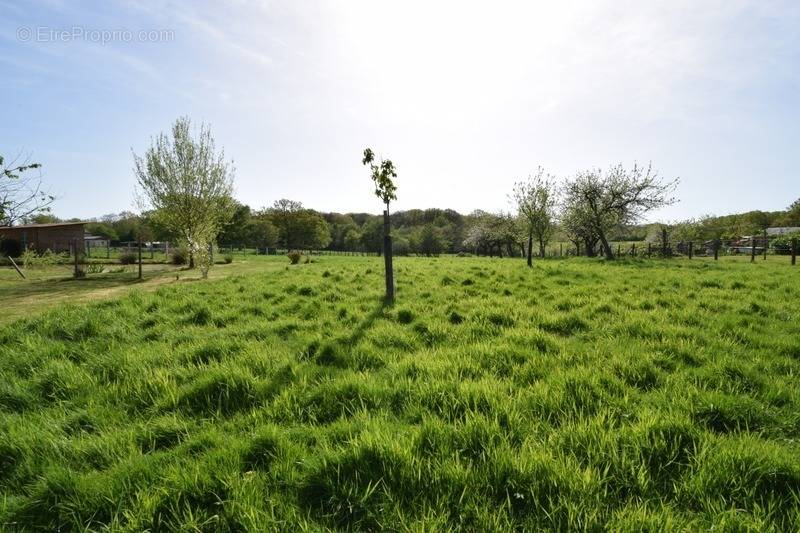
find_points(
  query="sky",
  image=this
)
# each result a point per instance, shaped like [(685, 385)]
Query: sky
[(465, 97)]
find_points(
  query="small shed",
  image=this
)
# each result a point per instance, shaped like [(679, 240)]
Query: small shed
[(782, 230), (58, 237)]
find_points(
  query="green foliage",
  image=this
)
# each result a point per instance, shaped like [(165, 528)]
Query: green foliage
[(381, 174), (597, 202), (179, 255), (128, 258), (103, 229), (299, 228), (782, 244), (188, 184), (536, 201), (429, 241), (577, 395), (94, 268), (32, 259)]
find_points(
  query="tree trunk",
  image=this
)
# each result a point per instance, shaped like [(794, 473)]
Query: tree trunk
[(541, 248), (191, 259), (590, 248), (604, 242), (530, 249)]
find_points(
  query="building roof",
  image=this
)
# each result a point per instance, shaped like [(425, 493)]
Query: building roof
[(34, 226), (781, 230)]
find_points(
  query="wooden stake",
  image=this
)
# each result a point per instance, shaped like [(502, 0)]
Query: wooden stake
[(387, 257), (16, 267), (75, 250)]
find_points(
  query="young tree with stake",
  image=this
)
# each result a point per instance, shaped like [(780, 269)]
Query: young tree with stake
[(385, 189)]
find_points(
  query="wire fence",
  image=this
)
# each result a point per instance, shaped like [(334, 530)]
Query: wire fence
[(751, 248)]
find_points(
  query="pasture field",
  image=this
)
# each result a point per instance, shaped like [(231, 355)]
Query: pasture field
[(632, 395)]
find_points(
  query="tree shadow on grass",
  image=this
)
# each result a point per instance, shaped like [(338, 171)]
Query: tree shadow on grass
[(367, 323)]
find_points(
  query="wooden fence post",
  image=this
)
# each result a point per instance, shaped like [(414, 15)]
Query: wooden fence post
[(766, 240), (716, 249), (752, 248), (691, 249), (140, 259), (75, 253), (633, 249), (649, 250), (794, 251)]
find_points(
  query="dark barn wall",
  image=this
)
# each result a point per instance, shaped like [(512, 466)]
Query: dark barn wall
[(41, 238)]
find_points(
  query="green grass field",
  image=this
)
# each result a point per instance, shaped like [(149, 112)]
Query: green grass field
[(580, 394)]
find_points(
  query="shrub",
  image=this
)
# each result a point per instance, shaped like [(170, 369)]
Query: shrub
[(228, 258), (128, 258), (10, 247), (782, 244), (94, 268), (179, 256), (294, 257), (31, 259)]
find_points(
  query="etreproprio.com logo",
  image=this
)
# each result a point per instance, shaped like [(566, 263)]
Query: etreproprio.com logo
[(47, 34)]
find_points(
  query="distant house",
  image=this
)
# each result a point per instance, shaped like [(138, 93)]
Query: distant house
[(95, 241), (781, 231), (59, 237)]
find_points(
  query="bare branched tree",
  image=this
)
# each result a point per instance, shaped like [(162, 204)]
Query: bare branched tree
[(602, 202), (188, 184), (21, 192)]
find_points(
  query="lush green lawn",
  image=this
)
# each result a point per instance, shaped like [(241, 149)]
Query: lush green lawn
[(576, 395), (51, 286)]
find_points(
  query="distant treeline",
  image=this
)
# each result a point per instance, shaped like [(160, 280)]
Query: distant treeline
[(289, 225)]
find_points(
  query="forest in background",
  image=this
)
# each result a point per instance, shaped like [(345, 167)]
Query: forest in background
[(290, 225)]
